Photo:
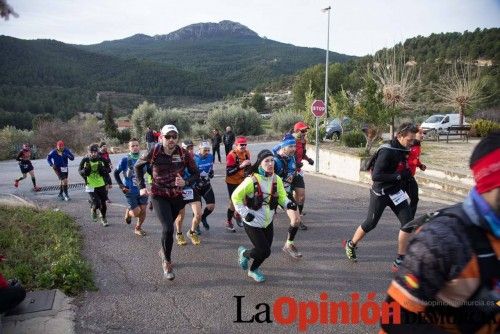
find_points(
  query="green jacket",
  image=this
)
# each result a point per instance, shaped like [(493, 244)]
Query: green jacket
[(263, 216)]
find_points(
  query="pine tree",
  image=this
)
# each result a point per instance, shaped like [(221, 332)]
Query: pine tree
[(110, 127)]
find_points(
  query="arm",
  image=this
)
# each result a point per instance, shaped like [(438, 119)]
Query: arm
[(382, 163), (139, 170), (49, 158), (84, 169), (238, 196), (117, 172), (194, 173), (19, 155), (69, 154), (283, 199), (231, 166)]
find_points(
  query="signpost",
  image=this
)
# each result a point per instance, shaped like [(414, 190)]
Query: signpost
[(318, 109)]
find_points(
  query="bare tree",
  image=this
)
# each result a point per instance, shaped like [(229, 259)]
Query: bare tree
[(460, 88), (6, 10), (397, 81)]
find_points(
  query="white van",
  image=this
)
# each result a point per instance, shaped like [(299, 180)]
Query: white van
[(440, 123)]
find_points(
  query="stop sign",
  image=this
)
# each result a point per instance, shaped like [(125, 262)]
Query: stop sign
[(318, 108)]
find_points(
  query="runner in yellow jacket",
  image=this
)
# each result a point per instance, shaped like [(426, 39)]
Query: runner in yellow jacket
[(256, 200)]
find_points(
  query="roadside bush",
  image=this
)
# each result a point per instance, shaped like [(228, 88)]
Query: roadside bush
[(124, 136), (354, 139), (200, 131), (12, 139), (43, 250), (483, 127), (284, 120), (242, 121)]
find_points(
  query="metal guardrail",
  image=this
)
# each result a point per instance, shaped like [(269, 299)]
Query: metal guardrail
[(70, 186)]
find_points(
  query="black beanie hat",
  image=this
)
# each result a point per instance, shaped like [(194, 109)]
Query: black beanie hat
[(260, 157)]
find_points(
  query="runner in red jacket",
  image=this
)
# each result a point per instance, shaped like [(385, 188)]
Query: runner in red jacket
[(413, 163)]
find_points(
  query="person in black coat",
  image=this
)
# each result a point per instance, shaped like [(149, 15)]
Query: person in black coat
[(216, 141), (228, 138)]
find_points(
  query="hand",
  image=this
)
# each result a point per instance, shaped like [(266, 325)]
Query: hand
[(125, 189), (14, 283), (310, 161), (299, 165), (179, 181), (245, 163), (144, 192), (211, 174), (422, 167), (249, 217), (291, 206), (289, 179)]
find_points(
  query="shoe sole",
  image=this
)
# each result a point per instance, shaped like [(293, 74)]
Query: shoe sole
[(230, 230), (262, 281)]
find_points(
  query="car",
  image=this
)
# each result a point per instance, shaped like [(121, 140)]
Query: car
[(334, 128), (439, 123)]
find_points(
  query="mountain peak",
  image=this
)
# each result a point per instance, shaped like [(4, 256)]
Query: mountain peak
[(198, 31)]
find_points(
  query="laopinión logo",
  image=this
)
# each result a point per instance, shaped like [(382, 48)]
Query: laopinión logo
[(288, 311)]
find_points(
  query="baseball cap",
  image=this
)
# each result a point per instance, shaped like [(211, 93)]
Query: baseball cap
[(241, 140), (299, 126), (168, 128)]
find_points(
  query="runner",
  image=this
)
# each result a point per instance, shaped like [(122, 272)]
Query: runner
[(300, 133), (205, 162), (58, 160), (449, 281), (236, 162), (256, 199), (23, 158), (390, 172), (94, 171), (413, 163), (168, 162), (285, 168), (191, 196), (104, 154), (136, 202)]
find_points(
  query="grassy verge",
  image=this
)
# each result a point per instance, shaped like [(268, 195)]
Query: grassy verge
[(42, 249)]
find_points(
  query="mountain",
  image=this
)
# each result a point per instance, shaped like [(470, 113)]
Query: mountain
[(227, 51), (47, 76)]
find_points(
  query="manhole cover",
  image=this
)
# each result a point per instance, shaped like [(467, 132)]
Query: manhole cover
[(35, 301)]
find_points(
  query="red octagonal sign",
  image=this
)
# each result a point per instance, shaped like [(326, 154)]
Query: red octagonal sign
[(318, 108)]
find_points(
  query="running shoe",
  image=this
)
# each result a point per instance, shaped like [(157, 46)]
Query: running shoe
[(257, 275), (139, 231), (127, 219), (242, 260), (93, 215), (150, 206), (61, 197), (230, 226), (104, 221), (16, 183), (168, 271), (66, 198), (195, 239), (292, 251), (36, 189), (302, 226), (395, 265), (238, 219), (181, 241), (198, 230), (350, 250), (205, 223)]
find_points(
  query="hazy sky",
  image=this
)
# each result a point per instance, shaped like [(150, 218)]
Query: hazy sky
[(358, 27)]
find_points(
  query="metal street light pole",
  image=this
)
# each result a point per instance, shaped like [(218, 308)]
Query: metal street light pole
[(326, 87)]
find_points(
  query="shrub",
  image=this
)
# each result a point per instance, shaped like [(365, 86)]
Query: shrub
[(284, 120), (242, 121), (483, 127), (124, 136), (200, 131), (12, 139), (172, 116), (354, 139)]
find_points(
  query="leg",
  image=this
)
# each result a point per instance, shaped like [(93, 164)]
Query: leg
[(164, 212), (11, 297), (179, 220), (209, 198), (413, 194), (193, 232), (403, 212), (292, 231), (262, 247)]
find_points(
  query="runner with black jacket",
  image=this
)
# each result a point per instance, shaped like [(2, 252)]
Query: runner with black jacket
[(390, 173)]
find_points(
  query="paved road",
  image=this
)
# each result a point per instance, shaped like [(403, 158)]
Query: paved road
[(133, 297)]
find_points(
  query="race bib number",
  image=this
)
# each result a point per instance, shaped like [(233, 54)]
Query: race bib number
[(399, 197), (64, 169), (187, 194), (89, 189)]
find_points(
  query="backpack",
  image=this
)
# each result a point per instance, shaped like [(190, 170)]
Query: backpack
[(256, 202), (367, 165), (284, 172), (248, 169), (157, 150)]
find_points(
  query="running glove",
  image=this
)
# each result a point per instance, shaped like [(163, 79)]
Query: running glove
[(310, 161), (249, 217), (124, 189), (291, 206)]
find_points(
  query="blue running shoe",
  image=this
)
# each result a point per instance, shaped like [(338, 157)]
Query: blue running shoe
[(257, 275), (242, 260)]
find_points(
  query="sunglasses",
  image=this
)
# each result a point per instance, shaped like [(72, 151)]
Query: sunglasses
[(242, 145), (303, 131), (168, 137)]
